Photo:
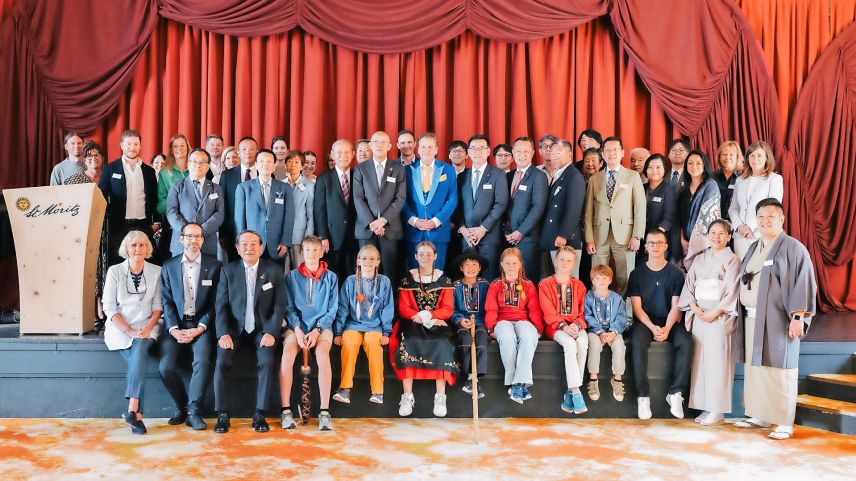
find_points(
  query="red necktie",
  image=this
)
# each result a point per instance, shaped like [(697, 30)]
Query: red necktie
[(516, 183)]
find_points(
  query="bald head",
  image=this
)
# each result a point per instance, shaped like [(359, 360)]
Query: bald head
[(380, 145)]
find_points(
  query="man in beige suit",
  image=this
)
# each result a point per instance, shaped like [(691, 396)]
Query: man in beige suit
[(614, 214)]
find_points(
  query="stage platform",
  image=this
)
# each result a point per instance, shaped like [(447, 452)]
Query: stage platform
[(76, 376)]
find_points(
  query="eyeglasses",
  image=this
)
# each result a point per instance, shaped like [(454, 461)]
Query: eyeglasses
[(192, 236), (479, 149), (458, 150), (94, 155), (655, 243), (197, 162)]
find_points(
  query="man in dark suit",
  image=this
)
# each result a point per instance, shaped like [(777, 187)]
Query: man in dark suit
[(526, 205), (260, 207), (565, 203), (250, 311), (229, 180), (483, 201), (188, 285), (380, 189), (196, 199), (131, 190), (334, 211)]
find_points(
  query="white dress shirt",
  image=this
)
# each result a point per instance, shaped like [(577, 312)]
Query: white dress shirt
[(249, 316), (135, 204)]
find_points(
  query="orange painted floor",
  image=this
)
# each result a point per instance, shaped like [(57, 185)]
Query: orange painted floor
[(420, 449)]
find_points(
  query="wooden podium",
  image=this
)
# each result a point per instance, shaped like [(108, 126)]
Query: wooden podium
[(57, 234)]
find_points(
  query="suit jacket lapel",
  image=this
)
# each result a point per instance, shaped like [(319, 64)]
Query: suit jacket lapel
[(178, 273), (261, 279), (203, 274)]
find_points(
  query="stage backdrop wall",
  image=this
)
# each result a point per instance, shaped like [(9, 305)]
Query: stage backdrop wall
[(700, 61)]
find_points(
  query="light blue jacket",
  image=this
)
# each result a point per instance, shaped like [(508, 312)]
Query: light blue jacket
[(382, 307)]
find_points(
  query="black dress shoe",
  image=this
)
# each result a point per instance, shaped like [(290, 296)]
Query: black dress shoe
[(180, 417), (137, 426), (223, 424), (141, 428), (260, 423), (195, 421)]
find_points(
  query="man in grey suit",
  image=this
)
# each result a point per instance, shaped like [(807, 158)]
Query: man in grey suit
[(198, 200), (379, 194), (188, 286), (526, 204), (260, 206), (484, 199), (565, 203)]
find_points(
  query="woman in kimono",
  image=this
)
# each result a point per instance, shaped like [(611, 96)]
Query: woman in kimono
[(709, 298), (698, 204), (778, 291), (421, 343)]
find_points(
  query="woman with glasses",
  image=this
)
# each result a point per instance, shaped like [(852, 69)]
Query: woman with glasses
[(132, 303)]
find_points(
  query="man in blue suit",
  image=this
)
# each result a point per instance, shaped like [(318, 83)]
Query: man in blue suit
[(432, 196), (260, 206), (565, 203), (198, 200), (188, 286), (526, 205), (483, 200)]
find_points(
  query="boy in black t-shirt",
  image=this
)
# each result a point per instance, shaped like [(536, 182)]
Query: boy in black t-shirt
[(654, 289)]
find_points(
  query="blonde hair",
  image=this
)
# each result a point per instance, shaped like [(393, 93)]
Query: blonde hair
[(359, 274), (132, 237), (427, 244), (728, 144), (568, 249)]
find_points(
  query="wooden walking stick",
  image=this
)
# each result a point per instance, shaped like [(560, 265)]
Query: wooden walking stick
[(305, 408), (474, 369)]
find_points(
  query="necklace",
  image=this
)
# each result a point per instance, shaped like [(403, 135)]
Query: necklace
[(607, 306)]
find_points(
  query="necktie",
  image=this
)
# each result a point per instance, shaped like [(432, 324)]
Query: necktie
[(249, 317), (610, 185), (379, 169), (266, 193), (197, 189), (674, 179), (346, 187), (476, 179), (247, 175), (517, 179), (426, 178)]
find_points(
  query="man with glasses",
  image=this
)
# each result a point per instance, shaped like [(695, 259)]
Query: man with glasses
[(196, 199), (73, 163), (679, 149), (334, 211), (654, 290), (260, 207), (188, 286), (458, 155), (544, 146)]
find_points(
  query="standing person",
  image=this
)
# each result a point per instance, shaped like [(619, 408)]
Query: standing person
[(310, 165), (679, 149), (406, 145), (526, 205), (458, 155), (757, 182), (458, 159), (431, 200), (189, 284), (545, 146), (279, 147), (312, 304), (250, 310), (565, 202), (260, 207), (380, 189), (470, 297), (364, 150), (214, 146), (728, 156), (483, 202), (562, 301), (299, 207), (709, 299), (198, 200), (158, 161), (93, 163), (638, 156), (606, 316), (229, 180), (73, 162), (366, 310), (615, 214), (513, 317), (131, 190), (698, 205), (503, 157), (592, 163), (334, 213), (421, 343), (654, 289), (778, 291), (174, 170), (228, 160), (662, 201), (132, 304)]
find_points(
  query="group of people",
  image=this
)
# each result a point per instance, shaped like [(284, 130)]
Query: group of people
[(524, 244)]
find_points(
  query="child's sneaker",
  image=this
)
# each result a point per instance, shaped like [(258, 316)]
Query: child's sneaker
[(567, 402), (343, 396), (376, 398), (579, 403), (593, 390), (617, 389)]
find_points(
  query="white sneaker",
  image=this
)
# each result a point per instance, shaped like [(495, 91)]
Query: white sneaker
[(676, 404), (643, 407), (405, 406), (700, 418), (440, 405)]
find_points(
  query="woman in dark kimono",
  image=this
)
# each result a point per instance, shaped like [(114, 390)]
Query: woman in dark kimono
[(421, 345), (698, 205)]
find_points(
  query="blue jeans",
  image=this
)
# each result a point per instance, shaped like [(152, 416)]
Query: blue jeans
[(517, 343), (136, 357)]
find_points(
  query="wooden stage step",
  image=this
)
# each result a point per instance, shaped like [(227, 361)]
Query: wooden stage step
[(841, 379), (832, 406), (825, 413)]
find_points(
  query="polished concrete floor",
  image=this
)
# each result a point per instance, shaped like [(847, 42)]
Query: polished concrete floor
[(420, 449)]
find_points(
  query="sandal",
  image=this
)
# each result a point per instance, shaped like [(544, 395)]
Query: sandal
[(751, 423)]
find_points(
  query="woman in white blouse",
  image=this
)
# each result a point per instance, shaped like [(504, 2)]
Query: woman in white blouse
[(132, 304), (757, 182)]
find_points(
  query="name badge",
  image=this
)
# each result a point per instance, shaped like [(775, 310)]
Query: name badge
[(301, 187), (657, 199), (487, 187), (768, 263), (731, 187), (279, 201), (521, 187), (117, 176), (390, 179), (557, 190), (214, 196), (622, 186), (266, 286), (206, 282)]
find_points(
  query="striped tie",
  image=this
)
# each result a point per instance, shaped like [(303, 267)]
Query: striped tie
[(346, 188)]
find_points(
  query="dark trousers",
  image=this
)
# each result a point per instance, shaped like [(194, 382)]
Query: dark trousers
[(464, 348), (119, 230), (682, 350), (531, 258), (267, 365), (389, 261), (202, 348), (489, 252), (342, 261)]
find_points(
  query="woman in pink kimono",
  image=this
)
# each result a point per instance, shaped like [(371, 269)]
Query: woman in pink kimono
[(710, 298)]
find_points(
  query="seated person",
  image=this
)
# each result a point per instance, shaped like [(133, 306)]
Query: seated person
[(606, 316), (470, 296)]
